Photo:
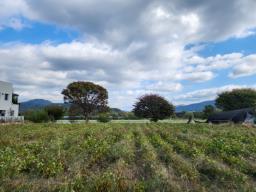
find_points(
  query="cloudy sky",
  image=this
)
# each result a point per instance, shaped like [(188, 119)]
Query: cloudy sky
[(185, 50)]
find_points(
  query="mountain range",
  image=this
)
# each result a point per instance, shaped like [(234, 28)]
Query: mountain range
[(196, 107), (34, 104), (41, 103)]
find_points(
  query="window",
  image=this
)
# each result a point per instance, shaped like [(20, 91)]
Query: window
[(2, 113), (14, 98), (6, 96)]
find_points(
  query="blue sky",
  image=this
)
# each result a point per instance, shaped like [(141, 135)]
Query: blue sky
[(36, 33), (244, 45), (181, 50)]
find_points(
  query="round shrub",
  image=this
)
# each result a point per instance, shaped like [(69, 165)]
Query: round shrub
[(37, 116), (55, 112), (103, 118)]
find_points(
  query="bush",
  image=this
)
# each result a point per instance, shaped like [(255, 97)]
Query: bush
[(103, 118), (188, 115), (37, 116), (129, 116), (55, 112), (208, 110), (199, 115)]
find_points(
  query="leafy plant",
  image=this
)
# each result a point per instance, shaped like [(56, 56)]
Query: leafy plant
[(37, 116), (104, 118), (127, 157), (55, 112)]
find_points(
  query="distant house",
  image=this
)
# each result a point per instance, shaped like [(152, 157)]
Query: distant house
[(9, 106), (237, 116)]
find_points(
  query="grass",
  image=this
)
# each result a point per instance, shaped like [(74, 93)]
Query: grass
[(127, 157)]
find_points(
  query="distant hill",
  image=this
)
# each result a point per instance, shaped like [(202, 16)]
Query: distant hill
[(34, 104), (41, 103), (197, 107), (116, 110)]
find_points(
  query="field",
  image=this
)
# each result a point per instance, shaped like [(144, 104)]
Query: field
[(127, 157)]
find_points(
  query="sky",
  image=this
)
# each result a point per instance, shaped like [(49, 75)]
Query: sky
[(185, 50)]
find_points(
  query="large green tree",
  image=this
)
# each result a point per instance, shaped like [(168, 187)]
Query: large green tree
[(236, 99), (90, 97), (153, 107)]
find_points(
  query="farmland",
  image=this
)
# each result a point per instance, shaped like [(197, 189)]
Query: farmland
[(127, 157)]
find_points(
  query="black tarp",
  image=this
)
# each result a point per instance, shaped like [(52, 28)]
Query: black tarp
[(236, 116)]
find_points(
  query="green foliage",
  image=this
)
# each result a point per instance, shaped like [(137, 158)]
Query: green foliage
[(208, 110), (153, 107), (199, 115), (189, 115), (129, 116), (116, 113), (122, 115), (236, 99), (89, 97), (127, 157), (37, 116), (55, 112), (75, 111), (50, 113), (104, 118)]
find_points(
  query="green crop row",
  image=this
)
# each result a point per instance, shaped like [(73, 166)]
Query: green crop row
[(127, 157)]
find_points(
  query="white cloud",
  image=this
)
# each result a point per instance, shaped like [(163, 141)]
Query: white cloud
[(196, 76), (239, 64), (52, 67), (10, 12), (206, 94), (246, 67), (164, 87), (48, 68), (191, 21), (124, 44), (205, 19)]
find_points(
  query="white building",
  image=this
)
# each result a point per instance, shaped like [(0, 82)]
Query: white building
[(9, 106)]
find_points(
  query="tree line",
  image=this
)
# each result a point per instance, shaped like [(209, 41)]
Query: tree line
[(91, 101), (91, 98)]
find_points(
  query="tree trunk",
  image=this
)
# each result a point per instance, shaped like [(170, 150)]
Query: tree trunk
[(86, 117)]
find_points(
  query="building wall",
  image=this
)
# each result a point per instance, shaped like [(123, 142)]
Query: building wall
[(6, 105), (15, 108)]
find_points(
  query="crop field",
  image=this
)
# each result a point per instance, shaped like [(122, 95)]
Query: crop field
[(127, 157)]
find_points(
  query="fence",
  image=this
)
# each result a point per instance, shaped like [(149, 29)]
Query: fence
[(11, 119)]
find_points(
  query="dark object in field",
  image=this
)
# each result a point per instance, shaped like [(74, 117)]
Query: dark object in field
[(237, 116), (190, 117), (190, 120)]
